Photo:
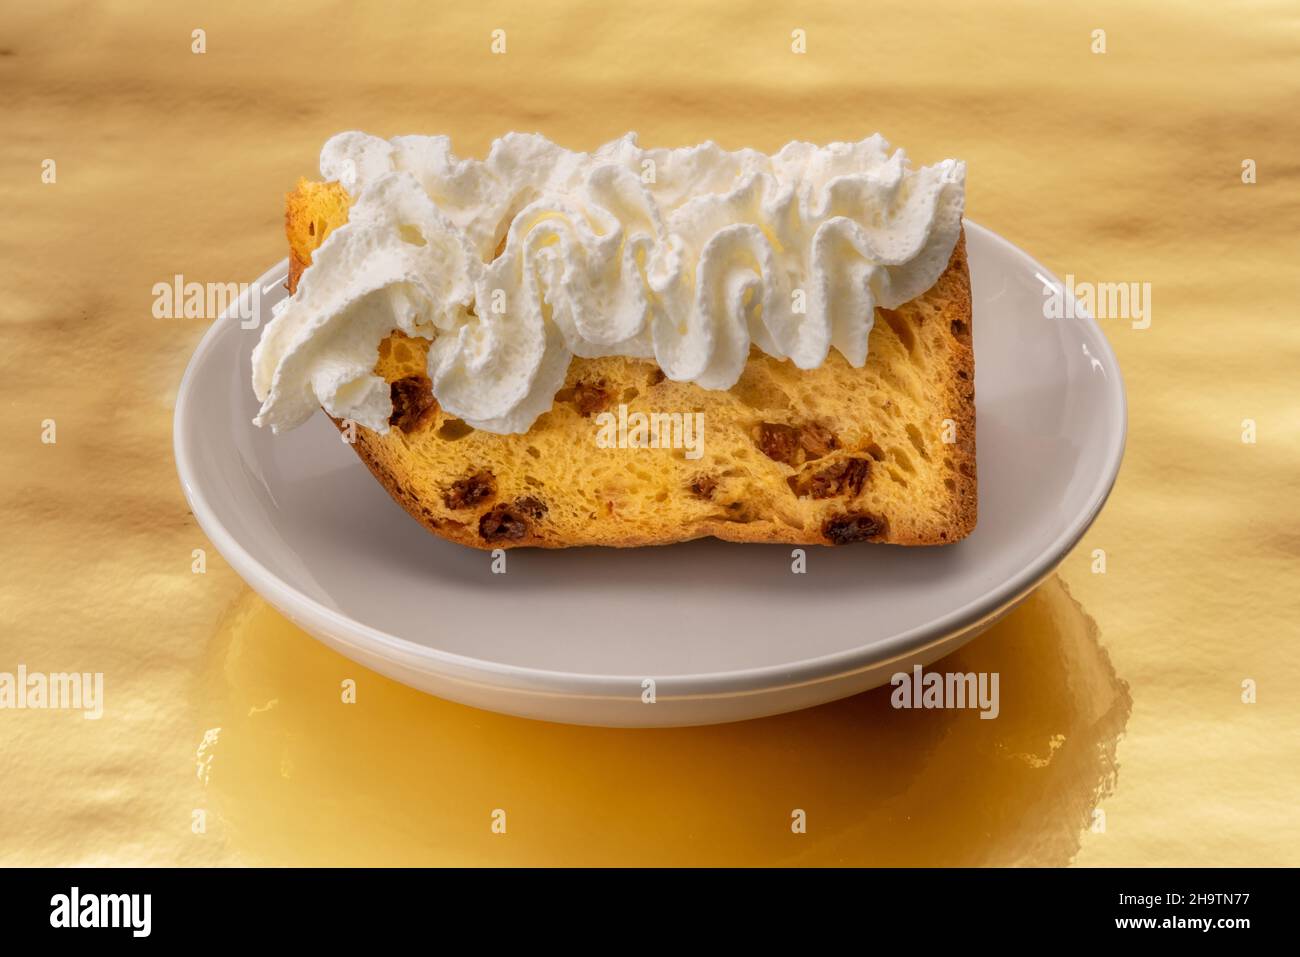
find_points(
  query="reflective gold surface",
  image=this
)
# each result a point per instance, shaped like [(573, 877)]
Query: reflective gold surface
[(1123, 737)]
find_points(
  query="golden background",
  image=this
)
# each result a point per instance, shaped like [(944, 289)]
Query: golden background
[(1123, 737)]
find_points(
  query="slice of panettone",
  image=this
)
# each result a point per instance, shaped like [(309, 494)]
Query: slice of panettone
[(830, 455)]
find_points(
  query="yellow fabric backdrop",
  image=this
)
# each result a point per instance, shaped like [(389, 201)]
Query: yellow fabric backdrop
[(1123, 737)]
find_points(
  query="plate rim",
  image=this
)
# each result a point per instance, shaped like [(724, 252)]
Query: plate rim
[(342, 628)]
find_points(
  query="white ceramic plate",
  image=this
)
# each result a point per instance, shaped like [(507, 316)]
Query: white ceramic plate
[(724, 631)]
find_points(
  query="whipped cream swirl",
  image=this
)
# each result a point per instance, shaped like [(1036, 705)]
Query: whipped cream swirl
[(514, 264)]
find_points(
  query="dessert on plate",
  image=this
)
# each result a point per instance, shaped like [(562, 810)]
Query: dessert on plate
[(636, 346)]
